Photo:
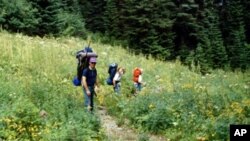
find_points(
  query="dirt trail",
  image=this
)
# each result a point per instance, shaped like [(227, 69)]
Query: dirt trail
[(123, 133)]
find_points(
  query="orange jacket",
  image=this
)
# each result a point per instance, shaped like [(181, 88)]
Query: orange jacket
[(136, 74)]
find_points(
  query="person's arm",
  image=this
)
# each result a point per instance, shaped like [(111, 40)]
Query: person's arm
[(97, 84), (140, 79), (85, 86), (115, 78)]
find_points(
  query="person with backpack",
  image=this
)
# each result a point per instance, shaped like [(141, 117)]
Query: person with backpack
[(117, 79), (89, 81), (82, 57), (111, 71), (137, 79)]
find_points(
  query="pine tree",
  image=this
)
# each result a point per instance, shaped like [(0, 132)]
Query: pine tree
[(93, 13), (48, 11), (148, 27), (218, 52), (234, 34), (18, 16), (163, 19), (70, 21), (246, 7), (200, 58), (186, 28), (113, 22)]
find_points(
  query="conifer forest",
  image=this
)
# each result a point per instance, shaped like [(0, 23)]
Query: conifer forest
[(210, 34)]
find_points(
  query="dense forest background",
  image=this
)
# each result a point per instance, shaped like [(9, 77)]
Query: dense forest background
[(206, 33)]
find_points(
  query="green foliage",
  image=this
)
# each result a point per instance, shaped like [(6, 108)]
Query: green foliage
[(234, 33), (150, 116), (93, 12), (18, 16), (38, 100), (143, 137), (48, 13), (211, 41), (246, 6), (170, 29), (163, 29), (22, 122), (184, 105), (112, 20), (189, 108), (37, 17), (71, 25), (186, 28), (36, 75)]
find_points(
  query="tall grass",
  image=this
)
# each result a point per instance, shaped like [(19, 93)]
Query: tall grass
[(38, 101), (177, 102)]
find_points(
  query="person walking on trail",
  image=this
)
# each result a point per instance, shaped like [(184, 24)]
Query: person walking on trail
[(117, 79), (89, 81), (137, 79)]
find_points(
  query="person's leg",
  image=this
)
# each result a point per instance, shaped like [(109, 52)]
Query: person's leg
[(139, 86), (86, 99), (136, 87), (92, 98), (117, 88)]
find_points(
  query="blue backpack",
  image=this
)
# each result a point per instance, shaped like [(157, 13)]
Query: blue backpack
[(112, 70), (82, 57)]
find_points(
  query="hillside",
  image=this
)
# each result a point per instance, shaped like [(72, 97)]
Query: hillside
[(176, 102)]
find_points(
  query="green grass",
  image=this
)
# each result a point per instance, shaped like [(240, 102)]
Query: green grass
[(36, 75)]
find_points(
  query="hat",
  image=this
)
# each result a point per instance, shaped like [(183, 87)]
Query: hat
[(92, 59)]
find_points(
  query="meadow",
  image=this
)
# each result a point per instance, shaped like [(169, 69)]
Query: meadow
[(39, 101)]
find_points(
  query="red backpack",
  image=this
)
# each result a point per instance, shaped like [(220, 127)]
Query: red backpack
[(136, 74)]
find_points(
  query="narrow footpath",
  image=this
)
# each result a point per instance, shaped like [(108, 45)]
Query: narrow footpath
[(123, 133)]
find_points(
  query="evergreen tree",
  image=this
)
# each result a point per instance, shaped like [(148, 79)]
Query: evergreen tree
[(59, 17), (148, 27), (210, 23), (186, 28), (70, 20), (201, 59), (246, 6), (18, 16), (162, 20), (218, 54), (113, 19), (48, 11), (234, 34), (203, 52), (164, 29), (93, 13)]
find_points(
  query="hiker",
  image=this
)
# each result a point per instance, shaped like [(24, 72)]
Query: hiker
[(111, 71), (117, 79), (137, 79), (82, 57), (89, 81)]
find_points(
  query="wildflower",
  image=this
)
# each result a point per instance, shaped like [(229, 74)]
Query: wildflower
[(151, 106), (175, 123)]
